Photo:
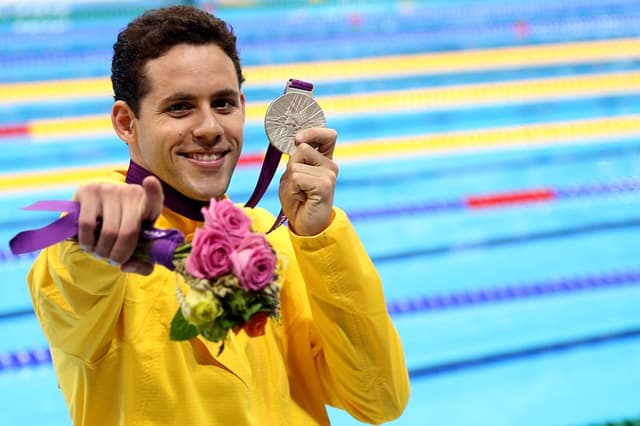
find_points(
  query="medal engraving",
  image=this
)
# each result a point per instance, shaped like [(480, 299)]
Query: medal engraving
[(289, 114)]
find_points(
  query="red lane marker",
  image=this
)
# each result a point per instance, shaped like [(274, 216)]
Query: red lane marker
[(251, 160), (23, 130), (19, 130), (518, 197)]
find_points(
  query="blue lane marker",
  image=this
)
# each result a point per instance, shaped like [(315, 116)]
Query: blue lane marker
[(38, 357), (513, 292), (23, 359), (529, 352), (508, 240)]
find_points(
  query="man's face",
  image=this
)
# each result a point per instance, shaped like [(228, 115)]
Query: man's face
[(189, 128)]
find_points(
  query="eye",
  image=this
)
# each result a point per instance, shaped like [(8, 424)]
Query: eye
[(179, 108), (223, 104)]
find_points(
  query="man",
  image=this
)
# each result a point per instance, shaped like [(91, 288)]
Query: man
[(178, 106)]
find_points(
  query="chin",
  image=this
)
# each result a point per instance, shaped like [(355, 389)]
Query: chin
[(203, 189)]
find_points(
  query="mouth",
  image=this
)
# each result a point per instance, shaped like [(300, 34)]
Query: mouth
[(204, 157)]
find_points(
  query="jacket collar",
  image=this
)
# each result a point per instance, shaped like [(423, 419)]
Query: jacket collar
[(173, 199)]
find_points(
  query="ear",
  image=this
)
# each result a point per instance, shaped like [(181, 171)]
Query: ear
[(123, 120), (243, 105)]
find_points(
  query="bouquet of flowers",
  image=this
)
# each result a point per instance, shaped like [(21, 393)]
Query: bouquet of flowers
[(231, 272), (233, 275)]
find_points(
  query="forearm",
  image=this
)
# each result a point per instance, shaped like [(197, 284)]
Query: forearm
[(361, 355), (77, 298)]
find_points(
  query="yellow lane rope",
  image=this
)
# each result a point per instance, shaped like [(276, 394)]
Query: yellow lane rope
[(354, 69), (512, 136), (403, 100), (446, 62)]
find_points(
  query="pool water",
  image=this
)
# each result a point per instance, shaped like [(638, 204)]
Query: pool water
[(505, 229)]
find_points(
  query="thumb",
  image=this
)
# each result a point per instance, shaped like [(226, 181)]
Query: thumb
[(154, 198)]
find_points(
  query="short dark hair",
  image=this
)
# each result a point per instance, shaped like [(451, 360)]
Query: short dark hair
[(155, 32)]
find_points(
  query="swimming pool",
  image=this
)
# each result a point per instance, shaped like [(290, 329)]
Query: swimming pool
[(500, 205)]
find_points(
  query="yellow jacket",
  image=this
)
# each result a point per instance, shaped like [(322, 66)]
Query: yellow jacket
[(335, 344)]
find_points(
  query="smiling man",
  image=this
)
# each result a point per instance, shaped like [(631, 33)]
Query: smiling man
[(188, 127), (179, 107)]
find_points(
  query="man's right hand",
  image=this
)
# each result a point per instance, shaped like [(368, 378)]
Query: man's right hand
[(122, 210)]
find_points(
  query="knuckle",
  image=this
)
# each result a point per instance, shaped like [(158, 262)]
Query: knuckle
[(107, 189), (129, 234), (327, 183), (85, 225), (86, 189), (108, 233)]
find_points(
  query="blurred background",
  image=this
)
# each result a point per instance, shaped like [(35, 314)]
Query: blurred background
[(490, 160)]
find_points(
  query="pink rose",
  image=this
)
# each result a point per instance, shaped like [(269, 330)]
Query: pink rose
[(229, 217), (210, 253), (253, 262)]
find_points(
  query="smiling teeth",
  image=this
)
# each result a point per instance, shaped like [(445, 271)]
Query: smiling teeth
[(205, 157)]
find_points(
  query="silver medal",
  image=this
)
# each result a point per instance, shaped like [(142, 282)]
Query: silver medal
[(289, 114)]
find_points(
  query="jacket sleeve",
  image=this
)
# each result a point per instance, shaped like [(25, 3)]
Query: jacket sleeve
[(77, 299), (356, 349)]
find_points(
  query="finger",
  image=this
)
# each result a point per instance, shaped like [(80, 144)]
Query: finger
[(149, 201), (90, 210), (321, 138), (312, 184), (154, 199), (311, 163), (111, 217), (303, 181), (127, 234), (305, 154), (137, 267)]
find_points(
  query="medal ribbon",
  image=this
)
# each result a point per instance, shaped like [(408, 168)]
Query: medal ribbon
[(173, 199), (67, 225), (270, 165), (157, 245)]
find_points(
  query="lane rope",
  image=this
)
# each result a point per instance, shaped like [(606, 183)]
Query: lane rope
[(430, 303), (524, 353), (31, 358), (474, 203)]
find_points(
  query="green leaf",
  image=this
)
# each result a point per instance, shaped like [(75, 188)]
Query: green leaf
[(215, 331), (182, 251), (181, 329), (246, 316)]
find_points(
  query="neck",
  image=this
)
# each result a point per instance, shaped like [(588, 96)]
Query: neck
[(173, 199)]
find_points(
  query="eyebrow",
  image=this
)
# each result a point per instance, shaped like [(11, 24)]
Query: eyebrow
[(180, 96), (183, 96), (226, 93)]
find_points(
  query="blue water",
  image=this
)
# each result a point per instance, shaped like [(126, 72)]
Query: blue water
[(566, 358), (304, 31)]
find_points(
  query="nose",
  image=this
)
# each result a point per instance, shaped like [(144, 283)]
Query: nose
[(207, 128)]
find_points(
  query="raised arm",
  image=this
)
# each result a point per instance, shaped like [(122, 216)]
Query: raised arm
[(78, 288), (357, 353)]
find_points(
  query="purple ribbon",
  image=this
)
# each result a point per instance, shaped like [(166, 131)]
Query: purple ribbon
[(173, 199), (270, 165), (154, 245), (158, 246), (63, 228), (268, 170)]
